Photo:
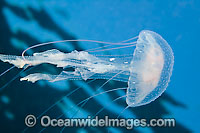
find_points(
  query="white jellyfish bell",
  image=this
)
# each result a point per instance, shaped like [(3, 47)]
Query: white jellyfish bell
[(150, 69), (147, 72)]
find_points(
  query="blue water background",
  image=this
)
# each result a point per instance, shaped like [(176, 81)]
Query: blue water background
[(178, 21)]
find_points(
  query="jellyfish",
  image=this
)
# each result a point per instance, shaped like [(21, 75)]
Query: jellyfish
[(146, 71)]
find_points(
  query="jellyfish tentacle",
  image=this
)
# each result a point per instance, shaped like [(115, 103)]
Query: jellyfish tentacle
[(7, 71), (81, 102), (53, 105), (112, 44), (70, 93), (62, 41), (98, 90), (123, 111), (113, 48), (124, 55), (118, 98), (86, 100), (97, 95), (123, 43), (97, 48), (130, 39), (13, 79), (107, 104)]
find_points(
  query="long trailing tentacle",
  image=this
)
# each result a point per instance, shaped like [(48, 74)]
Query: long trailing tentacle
[(53, 105), (101, 108), (72, 93), (113, 48), (123, 111), (99, 89), (7, 71), (123, 42), (89, 50), (47, 43), (112, 44), (81, 102), (86, 100), (99, 111), (13, 78), (130, 39), (63, 98), (125, 55), (84, 104), (118, 98)]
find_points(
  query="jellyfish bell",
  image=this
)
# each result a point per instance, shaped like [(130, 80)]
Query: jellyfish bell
[(150, 69), (147, 71)]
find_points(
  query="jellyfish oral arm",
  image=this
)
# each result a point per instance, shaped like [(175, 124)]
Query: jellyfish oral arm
[(12, 59), (85, 64)]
